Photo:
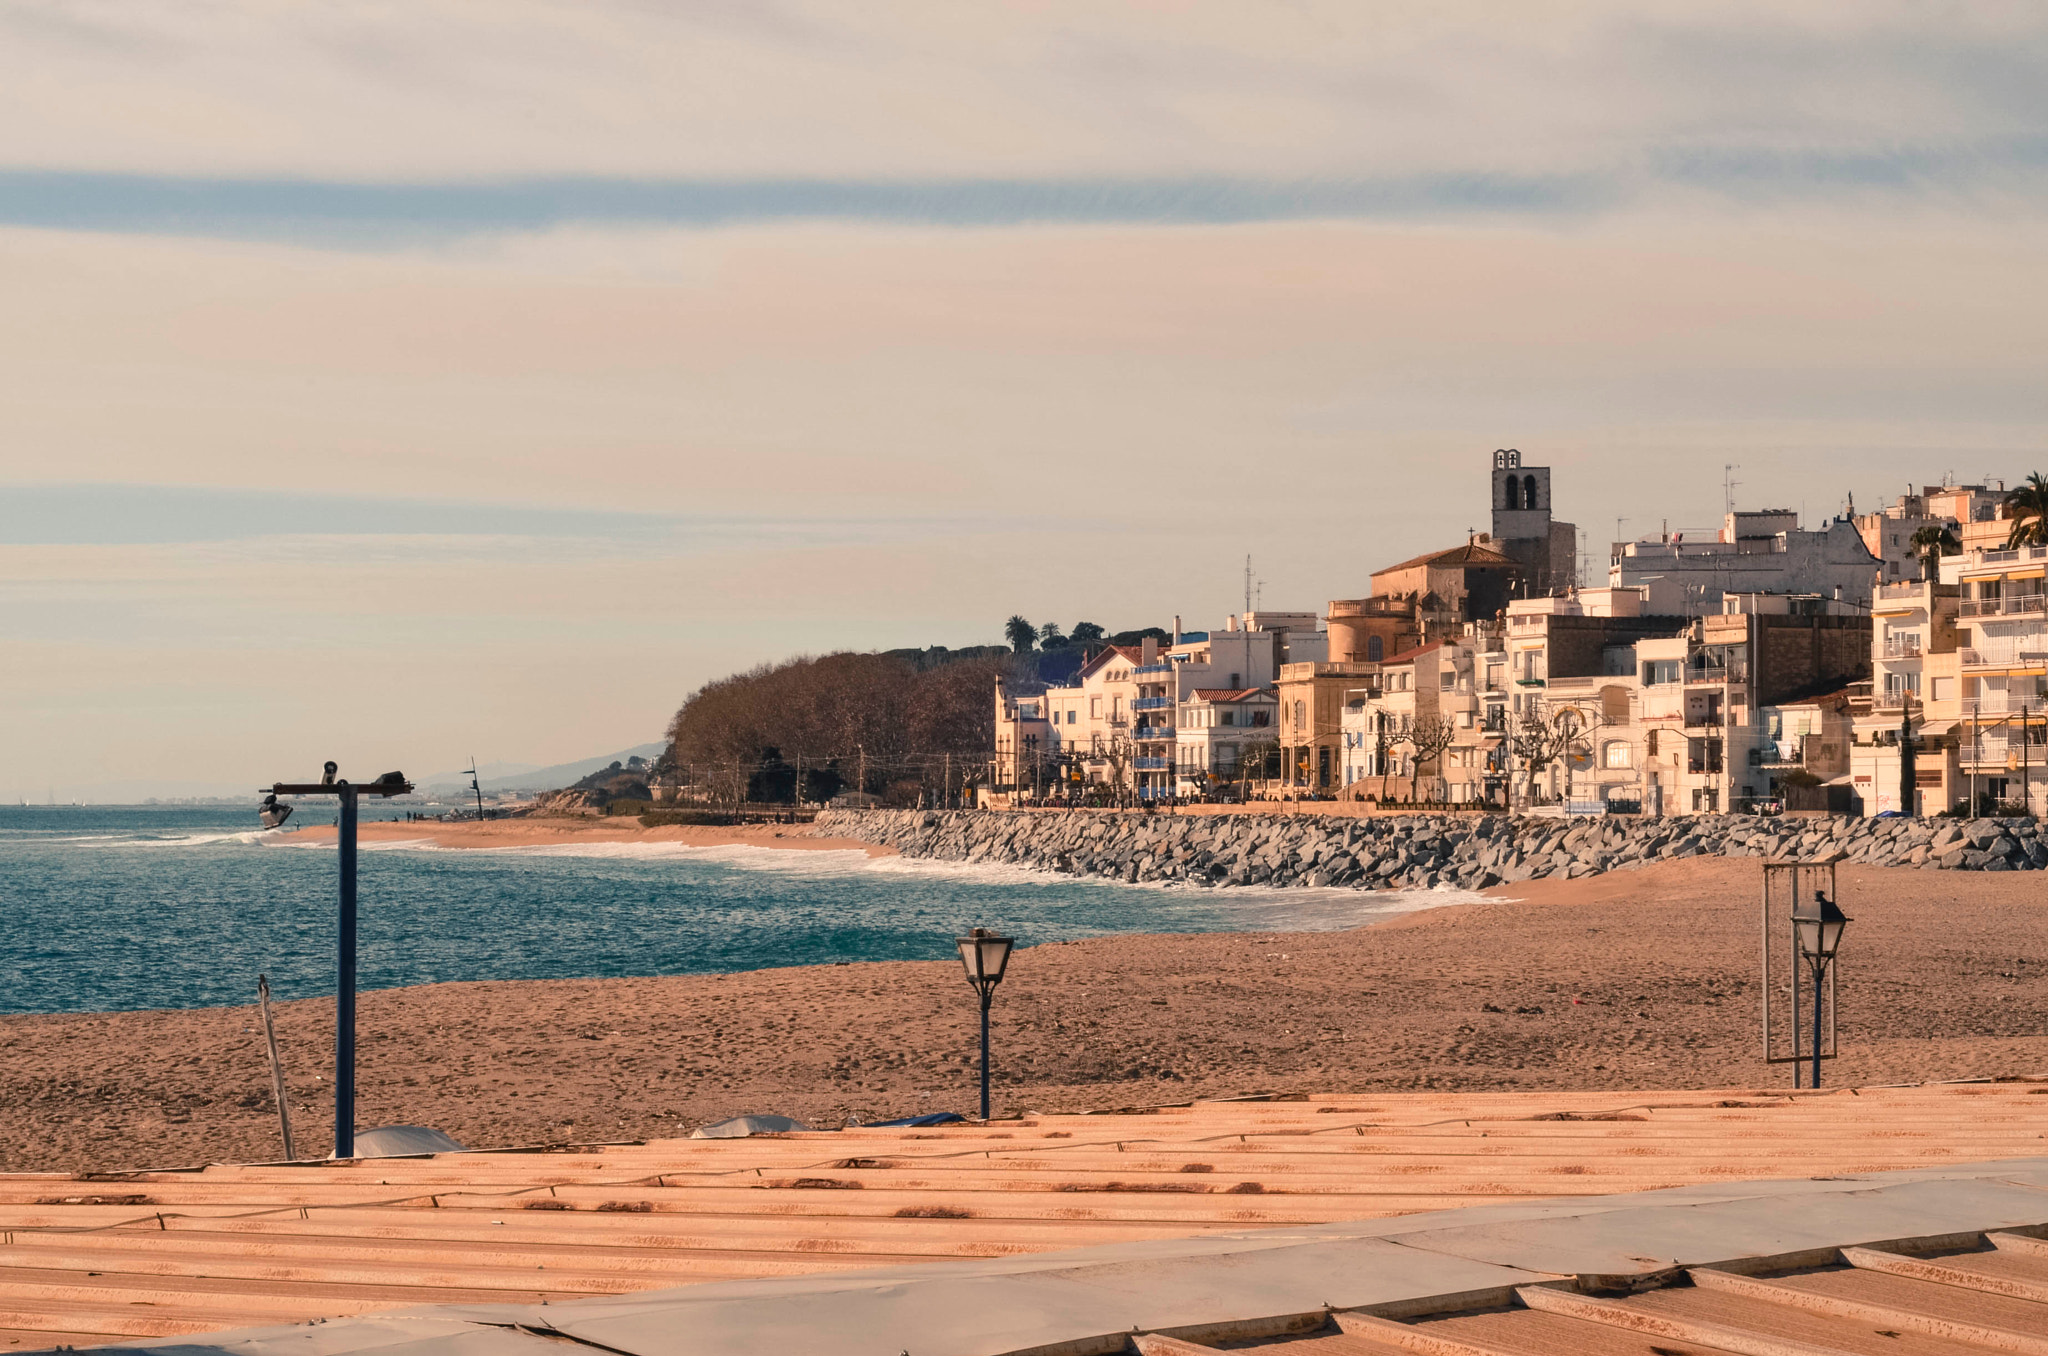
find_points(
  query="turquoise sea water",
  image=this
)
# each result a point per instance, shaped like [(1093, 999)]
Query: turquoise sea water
[(121, 907)]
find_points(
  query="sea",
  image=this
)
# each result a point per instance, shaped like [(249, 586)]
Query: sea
[(110, 908)]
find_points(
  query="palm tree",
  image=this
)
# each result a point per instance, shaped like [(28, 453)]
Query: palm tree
[(1049, 636), (1931, 543), (2027, 507), (1020, 633)]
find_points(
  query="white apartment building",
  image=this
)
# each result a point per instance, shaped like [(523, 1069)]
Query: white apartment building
[(1763, 552), (1217, 727)]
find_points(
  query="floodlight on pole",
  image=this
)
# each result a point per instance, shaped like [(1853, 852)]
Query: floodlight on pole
[(984, 956), (1818, 923), (390, 784)]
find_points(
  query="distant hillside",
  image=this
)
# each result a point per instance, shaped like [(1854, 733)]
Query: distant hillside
[(528, 778)]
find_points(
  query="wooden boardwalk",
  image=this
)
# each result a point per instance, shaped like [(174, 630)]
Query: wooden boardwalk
[(104, 1257)]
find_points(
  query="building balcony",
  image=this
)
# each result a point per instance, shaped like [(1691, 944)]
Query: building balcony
[(1985, 748), (1152, 734), (1152, 703), (1902, 647), (1160, 670), (2019, 605), (1152, 764), (1721, 673), (1895, 701)]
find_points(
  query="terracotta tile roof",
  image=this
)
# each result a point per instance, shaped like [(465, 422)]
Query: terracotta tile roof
[(1469, 554), (1407, 655), (1230, 694), (106, 1257)]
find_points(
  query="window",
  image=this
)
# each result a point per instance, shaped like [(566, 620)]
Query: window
[(1615, 753), (1095, 708), (1072, 715), (1659, 671), (1300, 715), (1375, 649), (1447, 680)]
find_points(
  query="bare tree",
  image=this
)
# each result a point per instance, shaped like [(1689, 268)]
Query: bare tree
[(1385, 739), (1429, 737), (1546, 737)]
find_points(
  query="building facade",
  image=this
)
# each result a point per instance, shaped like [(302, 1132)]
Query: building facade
[(1763, 552)]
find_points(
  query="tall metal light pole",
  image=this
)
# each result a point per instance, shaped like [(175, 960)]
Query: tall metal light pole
[(390, 784), (985, 956)]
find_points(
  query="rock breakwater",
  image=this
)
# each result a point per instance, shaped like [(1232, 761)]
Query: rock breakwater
[(1416, 851)]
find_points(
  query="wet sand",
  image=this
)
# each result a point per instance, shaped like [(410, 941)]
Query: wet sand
[(1637, 979)]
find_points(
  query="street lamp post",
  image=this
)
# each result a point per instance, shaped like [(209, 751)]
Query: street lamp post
[(1818, 923), (985, 956), (390, 784)]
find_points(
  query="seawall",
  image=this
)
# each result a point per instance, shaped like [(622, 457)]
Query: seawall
[(1416, 851)]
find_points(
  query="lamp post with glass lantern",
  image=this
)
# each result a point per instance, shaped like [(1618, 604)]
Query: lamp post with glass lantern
[(985, 956), (1818, 923)]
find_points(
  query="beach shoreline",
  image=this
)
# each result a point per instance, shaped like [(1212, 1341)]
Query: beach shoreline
[(1632, 979), (526, 833)]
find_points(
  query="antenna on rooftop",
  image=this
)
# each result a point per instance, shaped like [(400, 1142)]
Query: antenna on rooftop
[(1247, 583), (1728, 484)]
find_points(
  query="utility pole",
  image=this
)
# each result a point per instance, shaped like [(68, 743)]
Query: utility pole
[(863, 787)]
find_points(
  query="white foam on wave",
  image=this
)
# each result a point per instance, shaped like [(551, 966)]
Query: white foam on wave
[(1254, 907), (187, 840)]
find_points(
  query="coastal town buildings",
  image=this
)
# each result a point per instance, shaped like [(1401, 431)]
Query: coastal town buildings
[(1117, 724), (1766, 666)]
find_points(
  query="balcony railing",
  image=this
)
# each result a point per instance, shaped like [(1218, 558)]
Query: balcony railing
[(1997, 656), (1986, 746), (1149, 734), (1152, 764), (1895, 701), (1887, 593), (1723, 673), (1160, 670), (1151, 703), (2018, 605), (1902, 647)]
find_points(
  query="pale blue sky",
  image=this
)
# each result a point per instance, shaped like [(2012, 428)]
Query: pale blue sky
[(400, 383)]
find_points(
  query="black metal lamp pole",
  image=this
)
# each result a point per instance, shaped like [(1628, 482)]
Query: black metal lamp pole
[(1819, 923), (390, 784), (985, 957)]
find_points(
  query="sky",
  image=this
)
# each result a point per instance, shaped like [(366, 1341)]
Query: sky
[(405, 383)]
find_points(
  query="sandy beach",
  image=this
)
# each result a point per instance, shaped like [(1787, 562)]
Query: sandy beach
[(1631, 980)]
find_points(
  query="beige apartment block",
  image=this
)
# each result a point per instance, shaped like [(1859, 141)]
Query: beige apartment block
[(2002, 660), (1023, 744), (1916, 695), (1092, 718), (1888, 532), (1311, 705)]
